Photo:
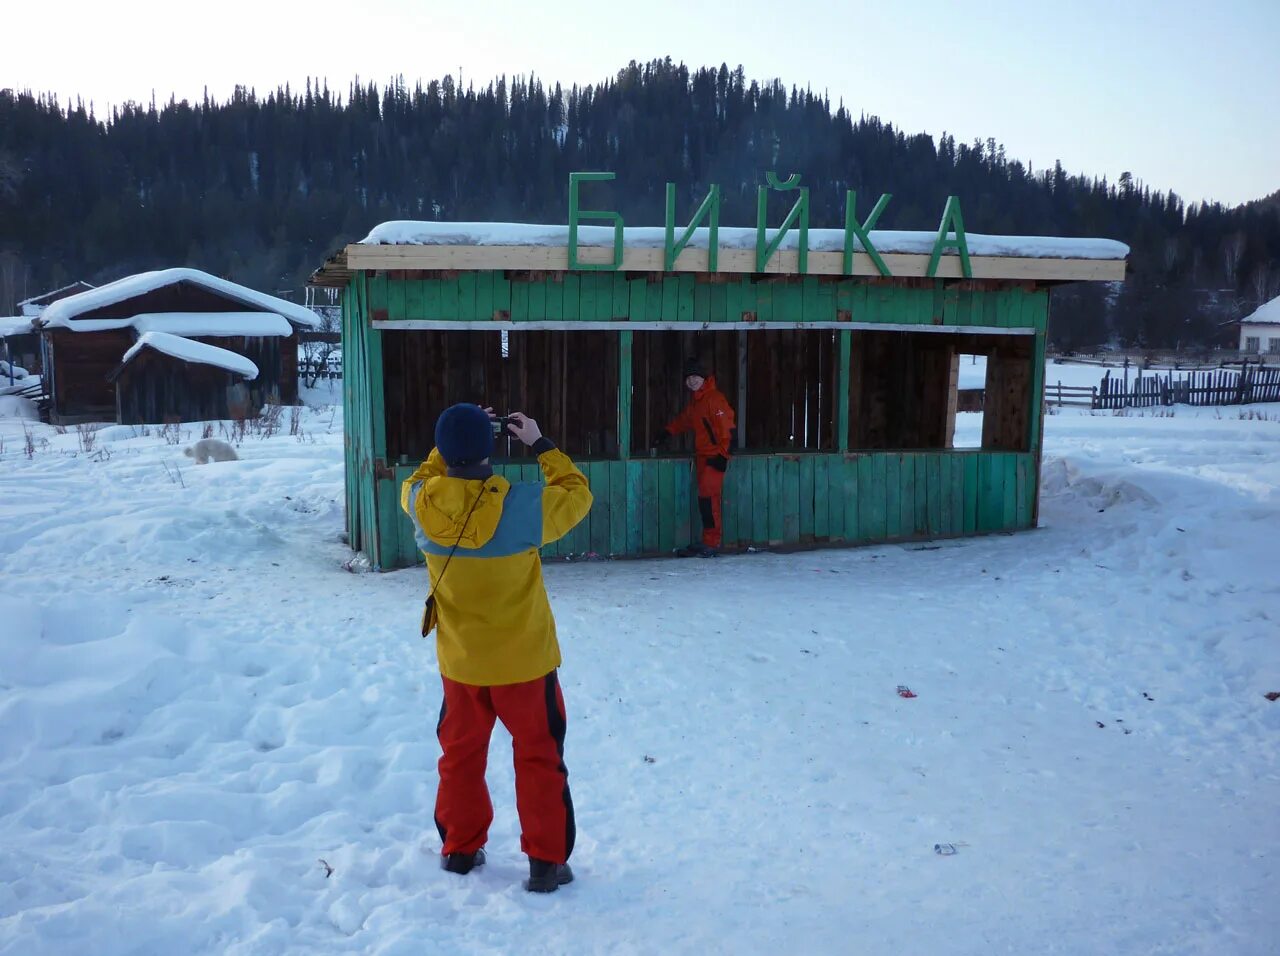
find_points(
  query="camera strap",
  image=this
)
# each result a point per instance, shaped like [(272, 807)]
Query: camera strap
[(429, 606)]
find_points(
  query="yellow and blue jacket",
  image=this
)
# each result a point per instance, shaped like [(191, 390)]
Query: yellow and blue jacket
[(492, 618)]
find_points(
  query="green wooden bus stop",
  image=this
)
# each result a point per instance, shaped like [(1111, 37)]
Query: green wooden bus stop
[(843, 377)]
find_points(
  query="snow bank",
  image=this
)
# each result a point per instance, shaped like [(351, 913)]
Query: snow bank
[(179, 755), (62, 312), (406, 232), (15, 371), (189, 351), (14, 406)]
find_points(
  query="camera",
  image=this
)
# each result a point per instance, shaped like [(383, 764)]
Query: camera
[(500, 423)]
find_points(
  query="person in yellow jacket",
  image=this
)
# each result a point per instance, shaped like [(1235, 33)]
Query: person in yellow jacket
[(495, 635)]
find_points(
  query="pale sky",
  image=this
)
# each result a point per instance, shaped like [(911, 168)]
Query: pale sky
[(1185, 95)]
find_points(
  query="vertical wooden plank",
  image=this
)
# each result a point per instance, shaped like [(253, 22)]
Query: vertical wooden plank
[(684, 300), (483, 306), (743, 500), (836, 497), (972, 492), (519, 301), (764, 300), (790, 500), (620, 293), (934, 481), (667, 504), (650, 511), (670, 299), (957, 495), (822, 496), (852, 497), (538, 300), (413, 299), (1009, 490), (637, 299), (618, 509), (554, 290), (984, 523), (777, 499), (862, 530), (728, 507), (807, 501), (572, 297), (601, 512), (943, 492), (1022, 519), (717, 302), (893, 495), (921, 519), (907, 495), (761, 502)]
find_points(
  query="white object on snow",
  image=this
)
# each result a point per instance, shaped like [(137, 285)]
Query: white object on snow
[(211, 449), (61, 313), (189, 351), (413, 233)]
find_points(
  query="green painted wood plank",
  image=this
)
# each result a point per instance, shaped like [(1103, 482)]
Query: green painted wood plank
[(621, 295), (921, 518), (972, 493), (844, 342), (950, 306), (957, 494), (733, 300), (413, 299), (764, 300), (701, 302), (618, 510), (688, 519), (777, 499), (933, 468), (836, 497), (395, 300), (989, 506), (746, 502), (554, 290), (880, 496), (717, 303), (809, 299), (805, 480), (634, 504), (653, 302), (624, 394), (377, 290), (790, 500), (670, 299), (637, 299), (684, 300), (483, 304), (519, 302), (1035, 416), (538, 300), (790, 307), (893, 495), (852, 499), (601, 514), (821, 496), (762, 504), (651, 516), (728, 509), (1009, 473), (588, 283), (606, 296), (572, 297), (449, 300), (943, 493), (667, 504), (906, 495), (1022, 519), (467, 296), (826, 302), (862, 530)]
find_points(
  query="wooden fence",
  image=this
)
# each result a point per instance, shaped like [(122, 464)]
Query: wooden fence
[(1217, 387)]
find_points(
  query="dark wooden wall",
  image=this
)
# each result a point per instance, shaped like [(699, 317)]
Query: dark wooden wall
[(155, 388), (567, 381), (81, 363)]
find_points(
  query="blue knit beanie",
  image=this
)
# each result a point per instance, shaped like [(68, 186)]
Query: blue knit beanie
[(464, 435)]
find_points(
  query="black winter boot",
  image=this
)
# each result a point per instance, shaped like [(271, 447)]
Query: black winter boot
[(462, 862), (547, 877)]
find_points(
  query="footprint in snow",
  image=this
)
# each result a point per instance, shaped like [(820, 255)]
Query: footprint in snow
[(761, 658)]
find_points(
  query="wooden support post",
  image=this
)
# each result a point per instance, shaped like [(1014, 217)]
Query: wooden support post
[(842, 392), (740, 410), (624, 394)]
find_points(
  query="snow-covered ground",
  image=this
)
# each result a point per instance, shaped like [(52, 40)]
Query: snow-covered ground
[(199, 705)]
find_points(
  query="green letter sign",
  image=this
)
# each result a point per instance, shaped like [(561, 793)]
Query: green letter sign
[(710, 208), (575, 214), (800, 211), (853, 228), (951, 217)]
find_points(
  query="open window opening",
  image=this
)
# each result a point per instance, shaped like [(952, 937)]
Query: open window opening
[(905, 390)]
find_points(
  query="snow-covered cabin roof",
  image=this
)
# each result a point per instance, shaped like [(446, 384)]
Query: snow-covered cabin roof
[(186, 350), (14, 325), (198, 324), (480, 246), (1266, 314), (38, 303), (63, 313)]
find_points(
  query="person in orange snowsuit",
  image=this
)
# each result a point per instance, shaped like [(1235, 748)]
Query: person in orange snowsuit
[(710, 417)]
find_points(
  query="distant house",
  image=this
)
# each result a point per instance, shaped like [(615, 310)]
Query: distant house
[(165, 377), (19, 345), (1260, 331), (89, 340), (33, 307)]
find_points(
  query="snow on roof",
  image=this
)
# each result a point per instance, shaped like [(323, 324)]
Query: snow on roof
[(411, 233), (15, 325), (189, 351), (60, 313), (35, 305), (1266, 314), (253, 324)]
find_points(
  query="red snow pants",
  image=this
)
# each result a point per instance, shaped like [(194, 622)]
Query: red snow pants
[(710, 497), (533, 713)]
